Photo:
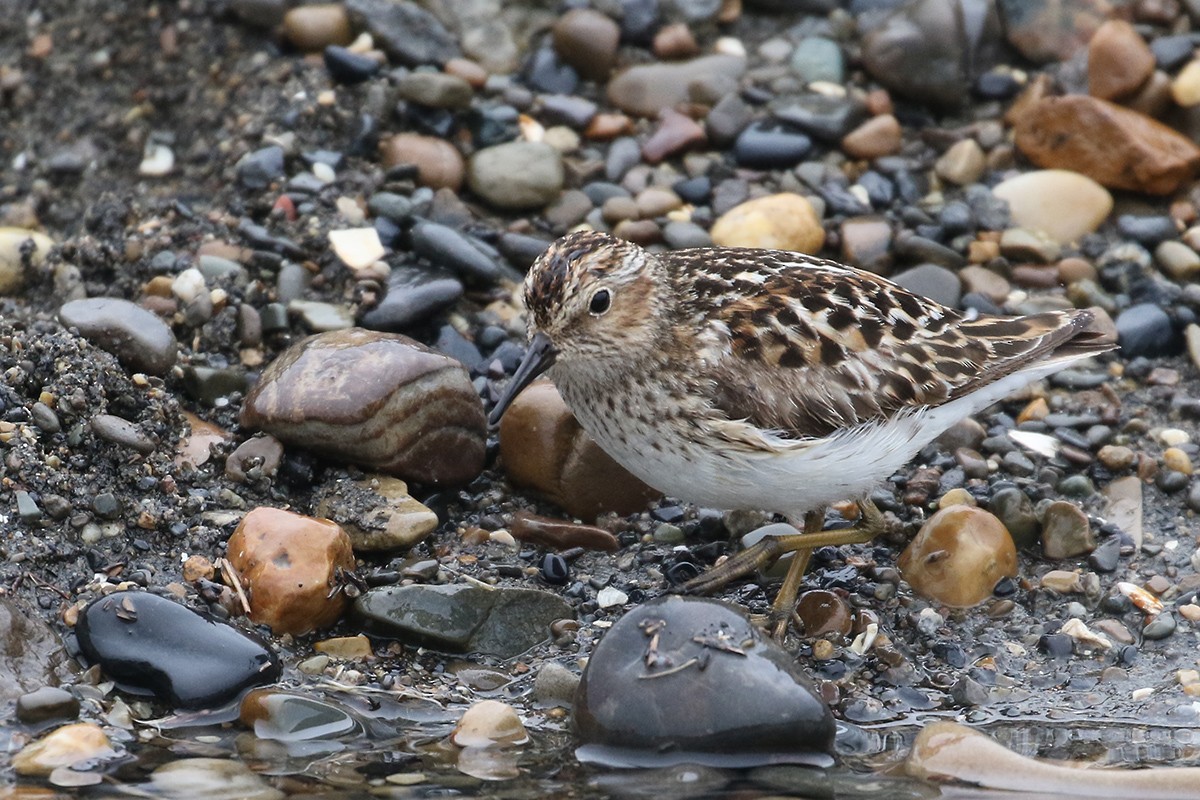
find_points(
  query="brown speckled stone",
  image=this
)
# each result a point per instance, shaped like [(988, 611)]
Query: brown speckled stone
[(543, 448), (958, 556), (381, 401)]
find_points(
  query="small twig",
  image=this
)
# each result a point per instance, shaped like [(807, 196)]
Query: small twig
[(232, 577)]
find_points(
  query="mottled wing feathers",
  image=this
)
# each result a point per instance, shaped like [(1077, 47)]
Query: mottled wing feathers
[(805, 347)]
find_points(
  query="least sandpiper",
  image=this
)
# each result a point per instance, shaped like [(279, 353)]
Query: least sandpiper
[(763, 379)]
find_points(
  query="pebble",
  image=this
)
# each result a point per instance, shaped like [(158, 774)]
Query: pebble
[(611, 597), (489, 723), (446, 247), (930, 280), (770, 144), (311, 29), (163, 648), (439, 164), (1118, 61), (560, 535), (83, 743), (139, 339), (46, 703), (122, 433), (1145, 329), (291, 717), (1065, 531), (209, 777), (823, 612), (587, 40), (1115, 146), (260, 168), (646, 89), (783, 221), (288, 564), (254, 459), (818, 59), (555, 685), (435, 90), (346, 66), (919, 51), (414, 294), (358, 248), (12, 263), (831, 119), (681, 675), (963, 162), (1178, 260), (542, 447), (457, 618), (321, 317), (1185, 88), (516, 175), (1030, 245), (675, 133), (1064, 205), (877, 137), (408, 33), (1123, 506), (1062, 581), (378, 514), (1159, 627), (958, 556), (383, 401)]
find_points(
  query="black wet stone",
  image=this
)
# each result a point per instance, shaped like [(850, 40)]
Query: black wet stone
[(996, 85), (771, 144), (825, 118), (151, 645), (565, 109), (1172, 51), (555, 569), (448, 248), (544, 72), (462, 619), (138, 338), (682, 675), (346, 66), (1057, 645), (1145, 330), (1160, 627), (405, 31), (413, 295)]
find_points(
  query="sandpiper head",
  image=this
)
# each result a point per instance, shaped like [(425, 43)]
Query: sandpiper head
[(589, 297)]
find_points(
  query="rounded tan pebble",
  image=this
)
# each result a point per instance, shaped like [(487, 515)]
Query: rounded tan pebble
[(877, 137), (1118, 60), (489, 723), (287, 564), (656, 202), (196, 568), (1190, 612), (1185, 89), (347, 648), (617, 209), (313, 28), (957, 497), (823, 650), (1178, 460), (963, 163), (783, 221), (470, 71), (1063, 204), (1116, 457), (542, 447), (62, 747), (675, 41), (1073, 269), (1178, 260), (439, 164), (377, 400), (990, 284), (958, 556), (1062, 581), (587, 40)]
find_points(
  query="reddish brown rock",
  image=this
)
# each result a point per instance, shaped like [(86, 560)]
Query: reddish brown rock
[(1116, 147), (439, 165), (823, 612), (287, 565), (878, 136), (560, 535), (544, 449), (958, 556), (1046, 32), (676, 133), (378, 400), (1119, 61)]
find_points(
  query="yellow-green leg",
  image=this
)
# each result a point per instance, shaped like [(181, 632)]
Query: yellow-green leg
[(769, 550)]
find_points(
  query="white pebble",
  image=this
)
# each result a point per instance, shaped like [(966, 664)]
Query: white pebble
[(157, 160), (324, 172), (1173, 437), (610, 596), (188, 285), (356, 247)]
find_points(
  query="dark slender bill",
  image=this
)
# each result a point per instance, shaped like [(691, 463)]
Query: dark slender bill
[(538, 358)]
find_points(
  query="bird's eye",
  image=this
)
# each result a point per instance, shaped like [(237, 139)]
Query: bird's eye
[(601, 301)]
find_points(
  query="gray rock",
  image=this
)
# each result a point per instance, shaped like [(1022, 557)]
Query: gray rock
[(1065, 531), (31, 655), (1014, 508), (929, 280), (435, 89), (446, 247), (122, 433), (139, 339), (258, 169), (646, 89), (409, 34), (460, 618), (516, 175), (413, 295)]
